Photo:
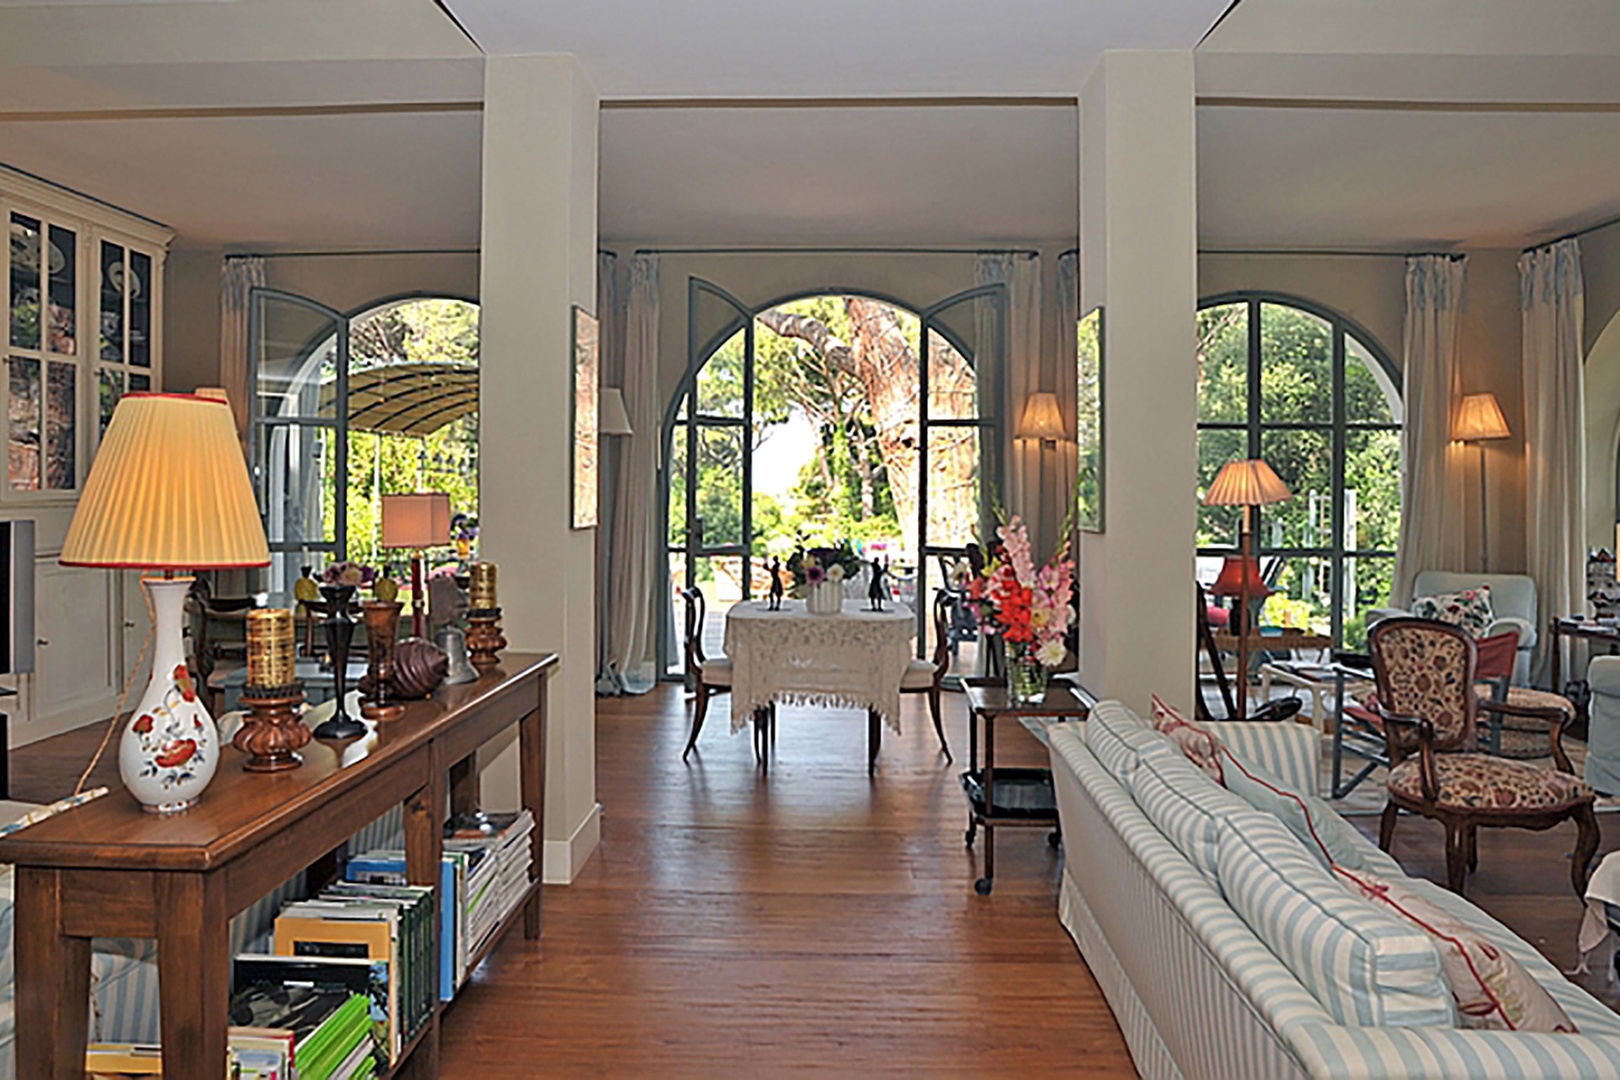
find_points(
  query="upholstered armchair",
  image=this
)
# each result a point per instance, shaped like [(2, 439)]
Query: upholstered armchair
[(1428, 705), (1513, 600)]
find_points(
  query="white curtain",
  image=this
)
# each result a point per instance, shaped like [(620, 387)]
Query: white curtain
[(635, 573), (240, 275), (1021, 274), (1551, 302), (1433, 521)]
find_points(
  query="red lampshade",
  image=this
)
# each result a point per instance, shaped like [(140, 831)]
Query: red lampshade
[(1230, 581)]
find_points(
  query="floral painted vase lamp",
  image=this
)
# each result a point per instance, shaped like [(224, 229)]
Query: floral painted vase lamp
[(169, 492)]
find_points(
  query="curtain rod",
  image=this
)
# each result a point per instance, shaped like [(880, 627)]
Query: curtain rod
[(1317, 252), (369, 254), (1576, 235), (1028, 253)]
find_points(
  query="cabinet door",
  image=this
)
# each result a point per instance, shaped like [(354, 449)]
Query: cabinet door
[(75, 676)]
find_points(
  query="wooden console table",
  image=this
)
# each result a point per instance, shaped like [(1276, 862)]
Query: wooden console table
[(107, 869)]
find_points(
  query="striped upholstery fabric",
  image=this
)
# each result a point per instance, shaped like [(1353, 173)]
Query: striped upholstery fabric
[(1117, 736), (1288, 751), (1184, 803), (1362, 965)]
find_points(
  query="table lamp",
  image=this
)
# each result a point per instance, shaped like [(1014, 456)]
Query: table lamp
[(1480, 418), (420, 520), (1248, 484), (1042, 419), (169, 491)]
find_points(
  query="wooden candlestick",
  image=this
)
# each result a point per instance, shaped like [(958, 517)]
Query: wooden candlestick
[(272, 733), (382, 627), (484, 637)]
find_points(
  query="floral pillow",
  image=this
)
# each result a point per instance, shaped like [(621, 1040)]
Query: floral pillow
[(1199, 743), (1469, 609), (1493, 991)]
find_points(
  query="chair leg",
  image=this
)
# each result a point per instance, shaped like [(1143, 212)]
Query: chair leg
[(939, 726), (700, 710), (1386, 826), (1586, 845), (1472, 836), (1456, 857)]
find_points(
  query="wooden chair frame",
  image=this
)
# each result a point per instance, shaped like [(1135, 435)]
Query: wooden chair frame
[(942, 664)]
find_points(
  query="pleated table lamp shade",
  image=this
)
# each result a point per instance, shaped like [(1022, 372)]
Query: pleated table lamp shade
[(169, 490), (1246, 483)]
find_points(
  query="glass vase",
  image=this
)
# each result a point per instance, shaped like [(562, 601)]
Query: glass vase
[(1026, 676)]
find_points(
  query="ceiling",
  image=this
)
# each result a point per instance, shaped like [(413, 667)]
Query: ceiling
[(834, 48), (870, 176)]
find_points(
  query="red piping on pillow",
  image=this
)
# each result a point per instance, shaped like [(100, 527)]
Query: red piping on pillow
[(1161, 711), (1303, 809)]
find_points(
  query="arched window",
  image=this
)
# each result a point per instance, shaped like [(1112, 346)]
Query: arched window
[(1314, 396), (348, 408)]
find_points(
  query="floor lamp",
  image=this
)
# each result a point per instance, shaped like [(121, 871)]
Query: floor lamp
[(1248, 484), (1479, 418)]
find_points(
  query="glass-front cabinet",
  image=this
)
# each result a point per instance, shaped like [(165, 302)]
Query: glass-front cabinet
[(84, 289)]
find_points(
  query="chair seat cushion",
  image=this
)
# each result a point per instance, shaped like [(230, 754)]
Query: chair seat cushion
[(1484, 782), (717, 672), (1523, 697), (919, 675)]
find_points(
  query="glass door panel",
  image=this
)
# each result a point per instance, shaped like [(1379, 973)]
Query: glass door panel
[(718, 464), (298, 373), (62, 306), (27, 255), (113, 275)]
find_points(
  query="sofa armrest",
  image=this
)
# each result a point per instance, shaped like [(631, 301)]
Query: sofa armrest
[(1290, 752), (1523, 627), (1378, 615)]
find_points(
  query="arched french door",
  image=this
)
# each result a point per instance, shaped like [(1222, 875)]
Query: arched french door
[(830, 415)]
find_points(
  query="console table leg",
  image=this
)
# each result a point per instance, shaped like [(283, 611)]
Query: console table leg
[(194, 973), (53, 982), (532, 785)]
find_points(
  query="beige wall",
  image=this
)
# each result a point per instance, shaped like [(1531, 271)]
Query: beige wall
[(351, 283), (191, 319), (1600, 267)]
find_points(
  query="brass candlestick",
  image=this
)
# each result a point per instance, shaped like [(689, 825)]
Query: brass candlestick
[(484, 637), (481, 587), (272, 733), (382, 627), (271, 647)]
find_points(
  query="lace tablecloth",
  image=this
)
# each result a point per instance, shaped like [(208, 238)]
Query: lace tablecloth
[(851, 660)]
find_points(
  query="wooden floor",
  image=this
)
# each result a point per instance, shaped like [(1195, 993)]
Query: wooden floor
[(817, 921)]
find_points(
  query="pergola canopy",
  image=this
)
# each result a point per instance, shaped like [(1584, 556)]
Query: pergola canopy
[(408, 399)]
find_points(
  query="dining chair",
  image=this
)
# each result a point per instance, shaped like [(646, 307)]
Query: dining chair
[(928, 676), (706, 677), (1526, 722), (1427, 699)]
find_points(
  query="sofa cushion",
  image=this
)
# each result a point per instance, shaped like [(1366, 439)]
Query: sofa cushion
[(1323, 833), (1493, 991), (1363, 966), (1195, 740), (1469, 609), (1184, 804), (1116, 736)]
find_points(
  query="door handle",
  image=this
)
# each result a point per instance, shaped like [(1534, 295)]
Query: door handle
[(41, 642)]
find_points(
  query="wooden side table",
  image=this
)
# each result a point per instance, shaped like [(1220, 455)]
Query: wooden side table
[(1009, 796)]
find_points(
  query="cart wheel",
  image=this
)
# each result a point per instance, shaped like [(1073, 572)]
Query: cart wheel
[(1054, 839), (982, 886)]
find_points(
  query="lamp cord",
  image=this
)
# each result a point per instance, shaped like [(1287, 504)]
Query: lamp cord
[(129, 680)]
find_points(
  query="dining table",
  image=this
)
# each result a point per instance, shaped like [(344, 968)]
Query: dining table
[(854, 658)]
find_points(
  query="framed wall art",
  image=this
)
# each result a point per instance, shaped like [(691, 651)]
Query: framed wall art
[(587, 403), (1089, 422)]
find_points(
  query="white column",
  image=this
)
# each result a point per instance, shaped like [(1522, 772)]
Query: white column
[(1139, 259), (538, 259)]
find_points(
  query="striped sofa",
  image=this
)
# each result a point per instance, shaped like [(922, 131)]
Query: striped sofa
[(1225, 949), (123, 971)]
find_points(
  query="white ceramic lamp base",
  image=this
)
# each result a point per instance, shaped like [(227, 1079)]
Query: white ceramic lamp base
[(171, 748)]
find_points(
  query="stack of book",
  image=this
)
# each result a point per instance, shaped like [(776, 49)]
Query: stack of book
[(390, 927), (499, 864), (386, 867), (254, 1054), (326, 1003)]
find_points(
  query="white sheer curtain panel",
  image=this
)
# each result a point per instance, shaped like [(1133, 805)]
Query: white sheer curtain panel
[(238, 277), (636, 571), (1433, 512), (1554, 312), (1021, 274)]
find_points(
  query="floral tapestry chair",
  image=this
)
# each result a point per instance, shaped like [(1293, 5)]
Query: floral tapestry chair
[(1427, 704)]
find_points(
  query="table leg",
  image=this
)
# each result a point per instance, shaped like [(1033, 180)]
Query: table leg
[(532, 785), (988, 881), (1338, 731), (1557, 658), (194, 974), (464, 787), (874, 739), (53, 982)]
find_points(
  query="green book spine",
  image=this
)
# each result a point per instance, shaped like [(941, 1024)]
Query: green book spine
[(335, 1038)]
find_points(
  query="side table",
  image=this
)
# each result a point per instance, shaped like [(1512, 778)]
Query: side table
[(1009, 796)]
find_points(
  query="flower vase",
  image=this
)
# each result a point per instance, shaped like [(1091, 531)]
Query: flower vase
[(825, 598), (1026, 676), (171, 748)]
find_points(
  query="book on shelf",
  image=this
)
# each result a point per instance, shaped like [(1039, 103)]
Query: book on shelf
[(418, 912), (123, 1059), (387, 867), (264, 1053), (326, 1002), (326, 929)]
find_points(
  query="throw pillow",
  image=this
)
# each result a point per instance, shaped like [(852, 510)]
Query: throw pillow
[(1469, 609), (1195, 740), (1324, 833), (1493, 990)]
